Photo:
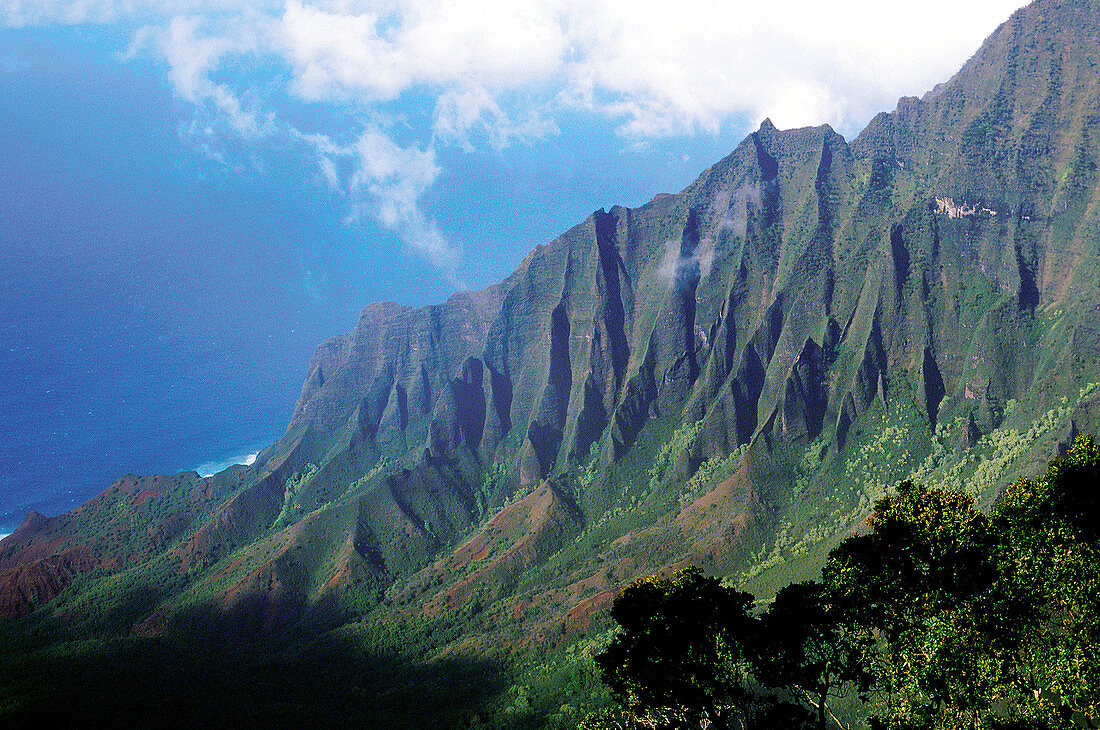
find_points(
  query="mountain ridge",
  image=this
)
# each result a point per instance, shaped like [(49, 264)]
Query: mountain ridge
[(727, 376)]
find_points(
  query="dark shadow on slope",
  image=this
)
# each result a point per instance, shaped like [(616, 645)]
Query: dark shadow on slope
[(342, 679)]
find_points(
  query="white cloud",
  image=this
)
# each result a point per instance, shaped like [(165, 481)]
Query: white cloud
[(381, 178), (376, 54), (668, 68), (658, 67), (387, 181), (193, 47), (500, 71), (735, 207), (192, 55), (394, 178), (460, 113)]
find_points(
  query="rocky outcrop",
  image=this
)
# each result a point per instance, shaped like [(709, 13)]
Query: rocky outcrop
[(804, 397), (459, 420)]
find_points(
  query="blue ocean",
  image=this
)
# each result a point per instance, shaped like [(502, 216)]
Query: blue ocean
[(157, 312)]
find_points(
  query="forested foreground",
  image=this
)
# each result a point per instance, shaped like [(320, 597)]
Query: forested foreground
[(937, 616)]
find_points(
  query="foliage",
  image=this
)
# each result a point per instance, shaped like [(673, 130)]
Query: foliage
[(205, 680), (292, 495), (809, 644), (492, 484), (918, 580), (1051, 559), (940, 616), (710, 473), (663, 462), (683, 651)]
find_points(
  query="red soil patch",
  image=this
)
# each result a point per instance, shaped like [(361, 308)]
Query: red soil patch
[(140, 498), (580, 616), (30, 584)]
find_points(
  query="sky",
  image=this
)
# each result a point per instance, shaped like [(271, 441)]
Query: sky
[(194, 194)]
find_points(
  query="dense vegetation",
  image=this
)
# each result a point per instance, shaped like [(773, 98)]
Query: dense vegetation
[(936, 616), (939, 616)]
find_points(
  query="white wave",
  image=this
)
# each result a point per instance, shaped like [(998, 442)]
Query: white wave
[(211, 468)]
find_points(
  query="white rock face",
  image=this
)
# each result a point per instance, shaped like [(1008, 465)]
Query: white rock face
[(951, 209)]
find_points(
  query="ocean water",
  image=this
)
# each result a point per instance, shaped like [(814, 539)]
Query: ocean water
[(157, 312)]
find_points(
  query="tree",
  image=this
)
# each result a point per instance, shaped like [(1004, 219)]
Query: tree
[(958, 620), (920, 584), (681, 656), (808, 645), (1049, 556), (983, 622)]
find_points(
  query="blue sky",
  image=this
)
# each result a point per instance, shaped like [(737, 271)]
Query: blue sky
[(194, 194)]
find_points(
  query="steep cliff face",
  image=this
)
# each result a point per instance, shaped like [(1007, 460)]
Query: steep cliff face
[(729, 375)]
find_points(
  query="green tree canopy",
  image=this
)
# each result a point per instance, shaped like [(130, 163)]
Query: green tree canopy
[(919, 582), (682, 651), (955, 619), (809, 645), (1050, 566)]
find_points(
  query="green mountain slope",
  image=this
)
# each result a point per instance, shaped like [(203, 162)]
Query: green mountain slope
[(728, 376)]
